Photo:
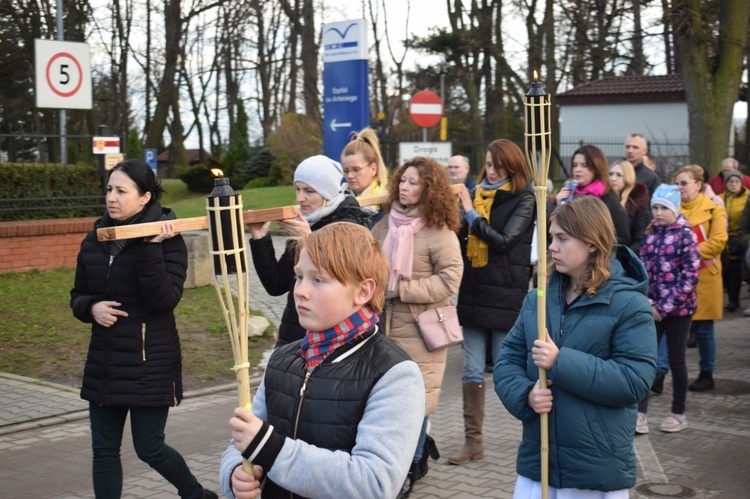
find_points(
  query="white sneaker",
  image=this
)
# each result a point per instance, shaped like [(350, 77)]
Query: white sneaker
[(641, 427), (674, 423)]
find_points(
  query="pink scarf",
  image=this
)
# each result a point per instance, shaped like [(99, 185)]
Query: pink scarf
[(595, 188), (399, 245)]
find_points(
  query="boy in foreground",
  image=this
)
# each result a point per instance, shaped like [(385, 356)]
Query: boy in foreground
[(337, 414)]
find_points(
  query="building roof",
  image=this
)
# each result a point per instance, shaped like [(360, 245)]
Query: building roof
[(626, 90)]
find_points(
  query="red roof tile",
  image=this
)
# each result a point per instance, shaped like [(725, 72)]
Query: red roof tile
[(626, 89)]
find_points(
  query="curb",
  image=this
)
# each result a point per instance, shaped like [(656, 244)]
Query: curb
[(84, 414)]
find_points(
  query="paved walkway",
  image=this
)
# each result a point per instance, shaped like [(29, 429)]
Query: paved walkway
[(45, 443)]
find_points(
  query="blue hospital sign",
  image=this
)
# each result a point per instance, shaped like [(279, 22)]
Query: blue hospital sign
[(346, 100)]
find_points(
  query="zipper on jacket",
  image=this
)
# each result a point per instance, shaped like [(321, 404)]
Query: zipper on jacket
[(299, 402), (109, 268), (143, 340)]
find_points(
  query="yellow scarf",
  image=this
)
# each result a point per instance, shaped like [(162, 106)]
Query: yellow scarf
[(476, 249)]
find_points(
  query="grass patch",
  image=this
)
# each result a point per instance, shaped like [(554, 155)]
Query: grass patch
[(41, 338)]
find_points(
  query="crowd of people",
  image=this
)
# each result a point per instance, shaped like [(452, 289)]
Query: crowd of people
[(637, 271)]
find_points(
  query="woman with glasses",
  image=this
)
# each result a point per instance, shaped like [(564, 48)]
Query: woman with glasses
[(633, 197), (591, 174), (709, 224), (364, 170), (735, 197)]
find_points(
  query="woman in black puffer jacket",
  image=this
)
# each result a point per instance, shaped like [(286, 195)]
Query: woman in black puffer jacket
[(128, 290), (318, 183)]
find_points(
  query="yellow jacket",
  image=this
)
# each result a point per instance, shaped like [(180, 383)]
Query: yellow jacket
[(734, 206), (712, 218)]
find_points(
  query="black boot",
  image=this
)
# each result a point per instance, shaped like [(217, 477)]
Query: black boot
[(704, 382), (419, 469), (692, 341), (658, 386)]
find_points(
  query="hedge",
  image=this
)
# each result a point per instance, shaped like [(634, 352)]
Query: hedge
[(34, 192)]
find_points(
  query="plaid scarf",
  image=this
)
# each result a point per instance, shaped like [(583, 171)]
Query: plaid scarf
[(317, 345)]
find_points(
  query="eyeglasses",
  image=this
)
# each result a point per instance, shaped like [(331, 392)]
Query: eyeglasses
[(354, 171)]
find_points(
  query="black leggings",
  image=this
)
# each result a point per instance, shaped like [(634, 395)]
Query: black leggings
[(147, 426), (677, 330)]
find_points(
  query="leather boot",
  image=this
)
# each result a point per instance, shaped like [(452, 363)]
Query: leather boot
[(704, 382), (473, 449), (692, 341)]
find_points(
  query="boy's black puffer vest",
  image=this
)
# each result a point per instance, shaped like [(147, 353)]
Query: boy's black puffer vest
[(335, 396)]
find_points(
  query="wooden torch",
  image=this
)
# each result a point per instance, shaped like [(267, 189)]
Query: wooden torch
[(229, 250), (538, 141)]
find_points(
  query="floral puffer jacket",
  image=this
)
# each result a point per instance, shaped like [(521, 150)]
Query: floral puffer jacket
[(672, 260)]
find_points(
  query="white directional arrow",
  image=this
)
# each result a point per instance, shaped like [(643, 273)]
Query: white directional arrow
[(335, 125)]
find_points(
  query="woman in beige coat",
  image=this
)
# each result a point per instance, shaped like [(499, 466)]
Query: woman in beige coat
[(710, 226), (419, 236)]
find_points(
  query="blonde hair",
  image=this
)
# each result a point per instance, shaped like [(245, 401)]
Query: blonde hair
[(587, 219), (350, 254), (628, 178), (366, 143)]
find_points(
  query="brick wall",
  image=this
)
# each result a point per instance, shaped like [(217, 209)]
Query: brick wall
[(41, 244)]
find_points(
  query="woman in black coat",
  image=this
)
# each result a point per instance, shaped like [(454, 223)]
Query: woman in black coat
[(128, 290), (318, 183), (495, 238), (591, 172)]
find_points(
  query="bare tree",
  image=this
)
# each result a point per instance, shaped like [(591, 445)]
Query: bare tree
[(711, 41), (303, 23), (594, 44), (167, 95), (638, 62)]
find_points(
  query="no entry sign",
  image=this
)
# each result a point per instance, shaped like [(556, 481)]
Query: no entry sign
[(426, 108), (63, 74)]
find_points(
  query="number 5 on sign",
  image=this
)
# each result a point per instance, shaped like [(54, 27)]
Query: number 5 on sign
[(63, 74)]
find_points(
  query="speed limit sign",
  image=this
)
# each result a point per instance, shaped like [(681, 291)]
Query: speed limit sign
[(63, 74)]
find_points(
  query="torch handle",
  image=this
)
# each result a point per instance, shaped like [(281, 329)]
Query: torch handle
[(540, 190)]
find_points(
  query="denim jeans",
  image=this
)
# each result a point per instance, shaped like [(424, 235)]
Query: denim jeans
[(475, 346), (662, 358), (147, 426), (704, 334), (420, 443)]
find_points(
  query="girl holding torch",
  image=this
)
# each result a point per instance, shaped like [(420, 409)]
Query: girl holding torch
[(600, 356)]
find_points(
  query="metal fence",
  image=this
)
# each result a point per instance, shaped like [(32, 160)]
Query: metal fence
[(669, 156), (35, 185), (43, 151)]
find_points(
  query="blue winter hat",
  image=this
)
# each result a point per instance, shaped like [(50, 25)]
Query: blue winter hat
[(321, 173), (668, 196)]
